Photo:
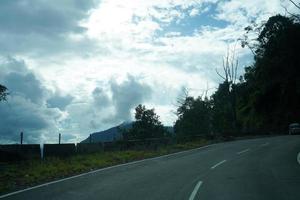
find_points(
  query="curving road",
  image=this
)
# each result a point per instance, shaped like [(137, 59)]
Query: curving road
[(255, 169)]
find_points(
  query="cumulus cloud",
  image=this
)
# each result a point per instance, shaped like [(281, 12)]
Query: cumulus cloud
[(240, 13), (109, 104), (25, 85), (36, 121), (59, 100), (76, 49), (132, 24), (35, 27), (101, 99), (127, 95), (25, 109), (194, 12)]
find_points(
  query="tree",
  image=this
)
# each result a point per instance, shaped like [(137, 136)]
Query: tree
[(293, 15), (147, 125), (272, 83), (224, 99), (223, 120), (3, 93), (230, 66), (194, 117), (277, 72), (295, 4)]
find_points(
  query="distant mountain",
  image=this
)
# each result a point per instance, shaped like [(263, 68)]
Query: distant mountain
[(108, 135), (114, 133)]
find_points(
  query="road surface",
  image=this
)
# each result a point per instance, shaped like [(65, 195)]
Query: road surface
[(265, 168)]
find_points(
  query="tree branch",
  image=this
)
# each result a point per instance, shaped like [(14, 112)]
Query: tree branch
[(220, 75), (297, 6)]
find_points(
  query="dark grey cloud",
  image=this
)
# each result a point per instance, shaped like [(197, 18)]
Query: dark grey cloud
[(41, 113), (59, 101), (11, 64), (26, 85), (127, 95), (19, 114), (110, 104), (101, 99), (26, 109), (21, 81), (34, 26), (43, 17)]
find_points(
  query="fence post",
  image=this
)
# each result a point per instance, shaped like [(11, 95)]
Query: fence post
[(42, 151), (59, 138), (21, 138), (90, 138)]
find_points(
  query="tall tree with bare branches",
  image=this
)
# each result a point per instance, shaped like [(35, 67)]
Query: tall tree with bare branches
[(224, 99)]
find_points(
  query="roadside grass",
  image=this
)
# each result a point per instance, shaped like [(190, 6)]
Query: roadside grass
[(33, 172)]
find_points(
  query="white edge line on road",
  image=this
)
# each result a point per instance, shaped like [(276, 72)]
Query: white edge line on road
[(219, 163), (194, 193), (298, 158), (102, 169), (244, 151)]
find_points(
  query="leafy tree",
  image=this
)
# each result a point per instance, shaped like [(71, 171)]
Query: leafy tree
[(272, 84), (194, 117), (223, 115), (218, 114), (147, 125), (265, 99), (3, 93), (224, 99)]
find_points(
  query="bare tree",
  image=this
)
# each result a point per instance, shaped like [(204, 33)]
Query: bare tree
[(229, 76), (293, 15), (180, 100), (295, 4), (230, 67), (182, 97)]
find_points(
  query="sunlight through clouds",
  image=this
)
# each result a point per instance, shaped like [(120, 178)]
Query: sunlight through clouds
[(89, 51)]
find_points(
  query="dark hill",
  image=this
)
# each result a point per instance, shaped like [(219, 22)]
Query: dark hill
[(113, 133)]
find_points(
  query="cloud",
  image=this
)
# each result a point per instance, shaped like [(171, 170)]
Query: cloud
[(84, 65), (127, 95), (241, 13), (25, 85), (134, 23), (35, 27), (101, 99), (20, 114), (59, 101), (25, 109), (110, 103), (194, 12)]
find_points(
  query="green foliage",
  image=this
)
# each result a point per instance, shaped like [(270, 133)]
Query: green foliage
[(267, 97), (3, 92), (147, 125), (194, 116), (28, 173), (223, 112), (272, 84)]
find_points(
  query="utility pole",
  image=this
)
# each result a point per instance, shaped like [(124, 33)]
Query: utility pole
[(21, 138), (90, 138), (59, 138)]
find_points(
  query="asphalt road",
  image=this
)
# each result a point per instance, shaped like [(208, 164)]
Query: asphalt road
[(265, 168)]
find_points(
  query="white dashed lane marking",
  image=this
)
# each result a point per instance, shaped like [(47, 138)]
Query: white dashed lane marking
[(219, 163), (194, 193), (244, 151)]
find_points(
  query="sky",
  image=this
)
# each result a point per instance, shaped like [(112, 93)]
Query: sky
[(78, 67)]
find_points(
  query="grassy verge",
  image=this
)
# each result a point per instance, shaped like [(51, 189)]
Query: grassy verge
[(29, 173)]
